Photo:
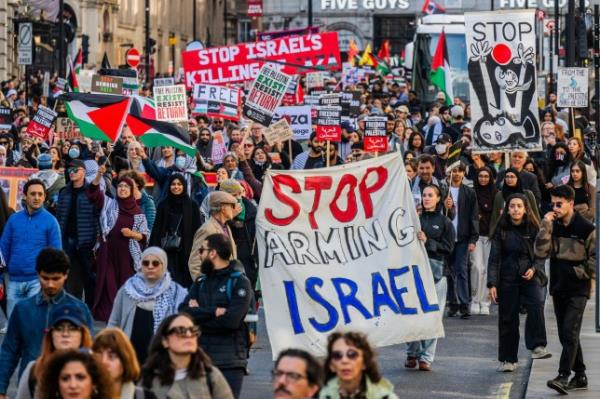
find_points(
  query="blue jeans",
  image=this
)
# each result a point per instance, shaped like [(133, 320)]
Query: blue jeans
[(18, 290), (424, 350)]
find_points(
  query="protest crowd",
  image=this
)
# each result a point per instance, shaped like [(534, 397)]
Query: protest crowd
[(131, 255)]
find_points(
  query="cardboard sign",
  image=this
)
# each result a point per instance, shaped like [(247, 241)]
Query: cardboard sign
[(328, 123), (350, 103), (171, 103), (107, 85), (375, 139), (6, 118), (501, 50), (242, 62), (330, 100), (572, 88), (66, 129), (358, 236), (217, 101), (314, 80), (299, 118), (278, 132), (41, 123), (12, 181), (164, 82), (266, 94), (219, 149)]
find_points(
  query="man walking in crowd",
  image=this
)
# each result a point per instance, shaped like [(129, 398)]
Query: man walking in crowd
[(223, 208), (425, 177), (296, 375), (26, 233), (569, 240), (465, 219), (29, 319), (78, 219), (219, 301)]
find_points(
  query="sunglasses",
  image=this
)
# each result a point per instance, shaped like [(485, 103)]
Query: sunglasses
[(182, 332), (154, 263), (73, 170), (351, 354), (248, 145)]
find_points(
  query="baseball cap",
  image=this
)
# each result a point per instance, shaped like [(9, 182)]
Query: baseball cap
[(219, 198), (444, 138), (231, 186), (403, 108), (66, 312), (77, 163)]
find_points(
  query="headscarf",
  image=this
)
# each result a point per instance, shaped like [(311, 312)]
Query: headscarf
[(485, 194), (162, 293), (176, 201), (508, 191), (128, 205)]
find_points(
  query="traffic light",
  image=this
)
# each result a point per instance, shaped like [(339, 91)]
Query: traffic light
[(85, 48), (152, 45)]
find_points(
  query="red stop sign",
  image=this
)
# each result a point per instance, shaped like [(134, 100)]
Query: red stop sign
[(132, 57)]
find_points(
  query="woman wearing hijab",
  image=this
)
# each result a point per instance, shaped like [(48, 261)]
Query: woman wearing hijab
[(177, 219), (511, 185), (486, 191), (145, 300), (124, 234)]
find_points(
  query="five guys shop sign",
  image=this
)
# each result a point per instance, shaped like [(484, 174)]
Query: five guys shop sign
[(232, 64)]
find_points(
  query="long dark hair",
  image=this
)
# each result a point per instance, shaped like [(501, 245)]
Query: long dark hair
[(584, 177), (358, 340), (159, 363), (49, 386), (411, 140), (530, 220)]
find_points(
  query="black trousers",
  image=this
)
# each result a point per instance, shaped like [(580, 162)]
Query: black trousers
[(235, 378), (81, 277), (569, 315), (511, 295)]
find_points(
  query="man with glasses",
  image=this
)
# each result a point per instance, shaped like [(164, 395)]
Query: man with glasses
[(296, 375), (569, 240), (78, 219), (219, 301), (31, 317), (223, 208)]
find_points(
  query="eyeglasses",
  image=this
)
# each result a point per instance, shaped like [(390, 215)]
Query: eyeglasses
[(248, 145), (154, 263), (69, 328), (351, 354), (73, 170), (556, 204), (288, 375), (182, 332)]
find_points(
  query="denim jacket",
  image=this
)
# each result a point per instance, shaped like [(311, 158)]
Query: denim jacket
[(26, 328)]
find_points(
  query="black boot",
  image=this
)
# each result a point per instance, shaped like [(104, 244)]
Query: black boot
[(578, 383), (559, 384)]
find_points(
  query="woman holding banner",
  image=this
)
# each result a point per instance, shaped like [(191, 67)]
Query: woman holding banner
[(438, 235), (516, 278)]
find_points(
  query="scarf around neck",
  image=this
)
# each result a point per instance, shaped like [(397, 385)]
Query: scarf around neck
[(162, 293)]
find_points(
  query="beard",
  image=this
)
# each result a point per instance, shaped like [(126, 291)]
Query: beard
[(207, 267)]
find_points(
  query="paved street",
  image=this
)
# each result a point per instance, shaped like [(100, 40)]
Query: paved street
[(464, 367)]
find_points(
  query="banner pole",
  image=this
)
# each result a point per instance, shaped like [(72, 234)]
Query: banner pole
[(327, 153), (290, 150)]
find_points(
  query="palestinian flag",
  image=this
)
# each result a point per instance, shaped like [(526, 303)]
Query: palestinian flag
[(72, 76), (440, 69), (431, 7), (78, 61), (99, 116), (155, 133), (146, 106)]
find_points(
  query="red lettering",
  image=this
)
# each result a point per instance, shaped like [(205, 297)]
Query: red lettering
[(351, 208), (289, 181), (366, 191), (317, 183)]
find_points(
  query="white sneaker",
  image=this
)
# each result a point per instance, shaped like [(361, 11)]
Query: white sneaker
[(485, 310), (475, 309), (540, 352), (507, 367)]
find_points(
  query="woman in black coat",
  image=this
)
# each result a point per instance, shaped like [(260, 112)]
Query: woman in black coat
[(177, 216)]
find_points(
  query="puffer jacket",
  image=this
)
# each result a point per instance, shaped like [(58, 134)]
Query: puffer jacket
[(88, 217)]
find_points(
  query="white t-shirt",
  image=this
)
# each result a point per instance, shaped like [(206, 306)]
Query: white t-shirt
[(454, 193)]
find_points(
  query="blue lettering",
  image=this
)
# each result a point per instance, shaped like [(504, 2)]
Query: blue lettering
[(311, 283), (349, 299), (425, 305), (292, 301), (398, 292), (381, 295)]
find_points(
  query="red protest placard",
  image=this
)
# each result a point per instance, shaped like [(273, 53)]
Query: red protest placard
[(255, 8), (40, 124), (239, 63), (375, 135), (328, 124)]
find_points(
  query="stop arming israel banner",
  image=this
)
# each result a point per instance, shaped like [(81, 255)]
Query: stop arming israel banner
[(501, 62), (338, 251), (231, 64)]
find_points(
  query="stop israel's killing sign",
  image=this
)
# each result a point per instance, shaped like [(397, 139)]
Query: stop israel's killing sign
[(338, 250)]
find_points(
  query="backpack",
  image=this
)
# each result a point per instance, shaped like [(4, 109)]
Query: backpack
[(251, 319)]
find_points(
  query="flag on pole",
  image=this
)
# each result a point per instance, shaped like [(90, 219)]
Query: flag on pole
[(384, 51), (431, 7), (72, 76), (440, 69), (78, 61), (105, 62), (352, 52), (99, 116), (299, 93), (366, 58)]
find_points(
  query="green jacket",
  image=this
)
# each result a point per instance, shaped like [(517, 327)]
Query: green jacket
[(382, 390)]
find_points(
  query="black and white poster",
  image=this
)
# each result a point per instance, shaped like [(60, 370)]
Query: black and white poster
[(501, 57)]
